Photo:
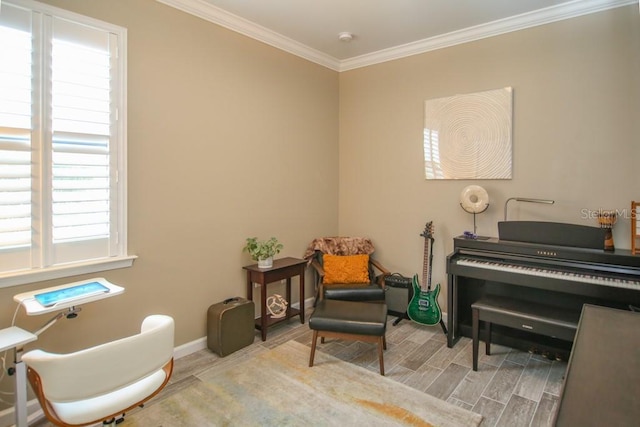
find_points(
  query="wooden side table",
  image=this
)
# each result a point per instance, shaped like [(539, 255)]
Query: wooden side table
[(284, 268)]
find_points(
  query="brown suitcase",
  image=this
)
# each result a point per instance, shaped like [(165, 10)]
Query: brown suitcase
[(230, 325)]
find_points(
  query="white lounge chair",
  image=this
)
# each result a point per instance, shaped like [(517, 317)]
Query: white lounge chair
[(105, 381)]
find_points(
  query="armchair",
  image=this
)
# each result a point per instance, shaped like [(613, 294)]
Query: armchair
[(104, 381), (344, 269)]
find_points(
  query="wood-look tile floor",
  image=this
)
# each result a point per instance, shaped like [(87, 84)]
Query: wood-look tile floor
[(511, 388)]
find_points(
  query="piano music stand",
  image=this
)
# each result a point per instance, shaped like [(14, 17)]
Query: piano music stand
[(15, 337)]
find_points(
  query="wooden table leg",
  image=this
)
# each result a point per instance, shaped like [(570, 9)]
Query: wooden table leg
[(288, 297), (249, 287), (263, 311), (302, 296)]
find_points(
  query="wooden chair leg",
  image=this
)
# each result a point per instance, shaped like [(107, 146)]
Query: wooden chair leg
[(381, 345), (384, 342), (313, 348)]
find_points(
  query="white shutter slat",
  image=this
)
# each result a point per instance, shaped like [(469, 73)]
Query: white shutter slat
[(61, 86), (15, 77), (81, 125), (15, 127)]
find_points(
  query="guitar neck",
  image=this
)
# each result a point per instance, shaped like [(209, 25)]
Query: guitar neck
[(428, 256), (430, 263), (426, 262)]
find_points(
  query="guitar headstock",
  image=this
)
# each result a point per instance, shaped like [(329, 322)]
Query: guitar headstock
[(428, 230)]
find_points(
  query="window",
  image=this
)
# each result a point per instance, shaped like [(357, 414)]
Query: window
[(62, 144)]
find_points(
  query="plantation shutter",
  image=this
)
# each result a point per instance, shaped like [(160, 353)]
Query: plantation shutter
[(15, 136), (61, 190), (80, 105)]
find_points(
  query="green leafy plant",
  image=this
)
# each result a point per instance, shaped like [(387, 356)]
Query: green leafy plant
[(259, 250)]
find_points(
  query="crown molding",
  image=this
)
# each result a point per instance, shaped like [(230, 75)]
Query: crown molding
[(515, 23), (214, 14), (211, 13)]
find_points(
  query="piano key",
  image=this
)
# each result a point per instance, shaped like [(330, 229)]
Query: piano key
[(554, 274)]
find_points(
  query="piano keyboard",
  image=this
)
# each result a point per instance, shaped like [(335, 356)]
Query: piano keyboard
[(615, 282)]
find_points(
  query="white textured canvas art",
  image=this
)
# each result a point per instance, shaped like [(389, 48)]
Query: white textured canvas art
[(469, 136)]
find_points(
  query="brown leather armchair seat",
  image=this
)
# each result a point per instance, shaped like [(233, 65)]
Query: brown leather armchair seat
[(371, 285)]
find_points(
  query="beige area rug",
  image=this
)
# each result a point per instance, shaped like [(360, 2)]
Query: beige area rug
[(277, 388)]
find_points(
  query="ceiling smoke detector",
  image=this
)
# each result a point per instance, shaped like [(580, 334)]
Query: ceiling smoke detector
[(345, 37)]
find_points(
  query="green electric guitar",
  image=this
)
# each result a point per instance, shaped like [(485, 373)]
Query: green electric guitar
[(424, 308)]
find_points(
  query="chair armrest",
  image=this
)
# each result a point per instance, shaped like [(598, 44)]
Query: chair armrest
[(318, 276), (315, 264), (381, 268)]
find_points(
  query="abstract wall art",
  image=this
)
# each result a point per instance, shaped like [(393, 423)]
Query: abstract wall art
[(469, 136)]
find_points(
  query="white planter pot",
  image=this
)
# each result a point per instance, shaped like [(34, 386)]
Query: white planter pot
[(265, 263)]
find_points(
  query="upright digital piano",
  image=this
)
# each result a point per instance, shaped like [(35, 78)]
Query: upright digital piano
[(555, 264)]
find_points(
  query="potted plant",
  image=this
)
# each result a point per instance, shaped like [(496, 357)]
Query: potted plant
[(263, 251)]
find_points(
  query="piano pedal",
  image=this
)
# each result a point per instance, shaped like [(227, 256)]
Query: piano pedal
[(534, 350), (546, 355), (559, 357)]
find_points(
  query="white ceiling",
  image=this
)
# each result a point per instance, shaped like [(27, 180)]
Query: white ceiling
[(382, 29)]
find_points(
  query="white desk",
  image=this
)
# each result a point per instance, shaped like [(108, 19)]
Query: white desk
[(15, 338), (34, 308)]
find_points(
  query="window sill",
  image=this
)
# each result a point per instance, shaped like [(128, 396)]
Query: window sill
[(16, 278)]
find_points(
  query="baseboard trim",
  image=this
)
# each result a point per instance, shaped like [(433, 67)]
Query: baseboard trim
[(201, 343)]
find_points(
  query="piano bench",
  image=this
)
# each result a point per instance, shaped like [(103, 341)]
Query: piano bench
[(523, 315)]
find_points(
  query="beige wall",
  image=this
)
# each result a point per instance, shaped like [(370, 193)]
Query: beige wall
[(228, 138), (575, 135), (214, 116)]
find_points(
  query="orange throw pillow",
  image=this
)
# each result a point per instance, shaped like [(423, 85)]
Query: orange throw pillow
[(345, 269)]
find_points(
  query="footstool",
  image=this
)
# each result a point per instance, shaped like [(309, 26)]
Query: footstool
[(359, 321)]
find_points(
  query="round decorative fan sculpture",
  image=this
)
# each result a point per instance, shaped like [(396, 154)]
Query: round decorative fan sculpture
[(474, 200), (277, 306)]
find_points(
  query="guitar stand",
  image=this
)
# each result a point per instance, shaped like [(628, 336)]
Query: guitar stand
[(399, 319), (444, 328), (406, 316)]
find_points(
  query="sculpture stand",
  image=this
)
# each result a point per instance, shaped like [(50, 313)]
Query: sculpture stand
[(474, 216)]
